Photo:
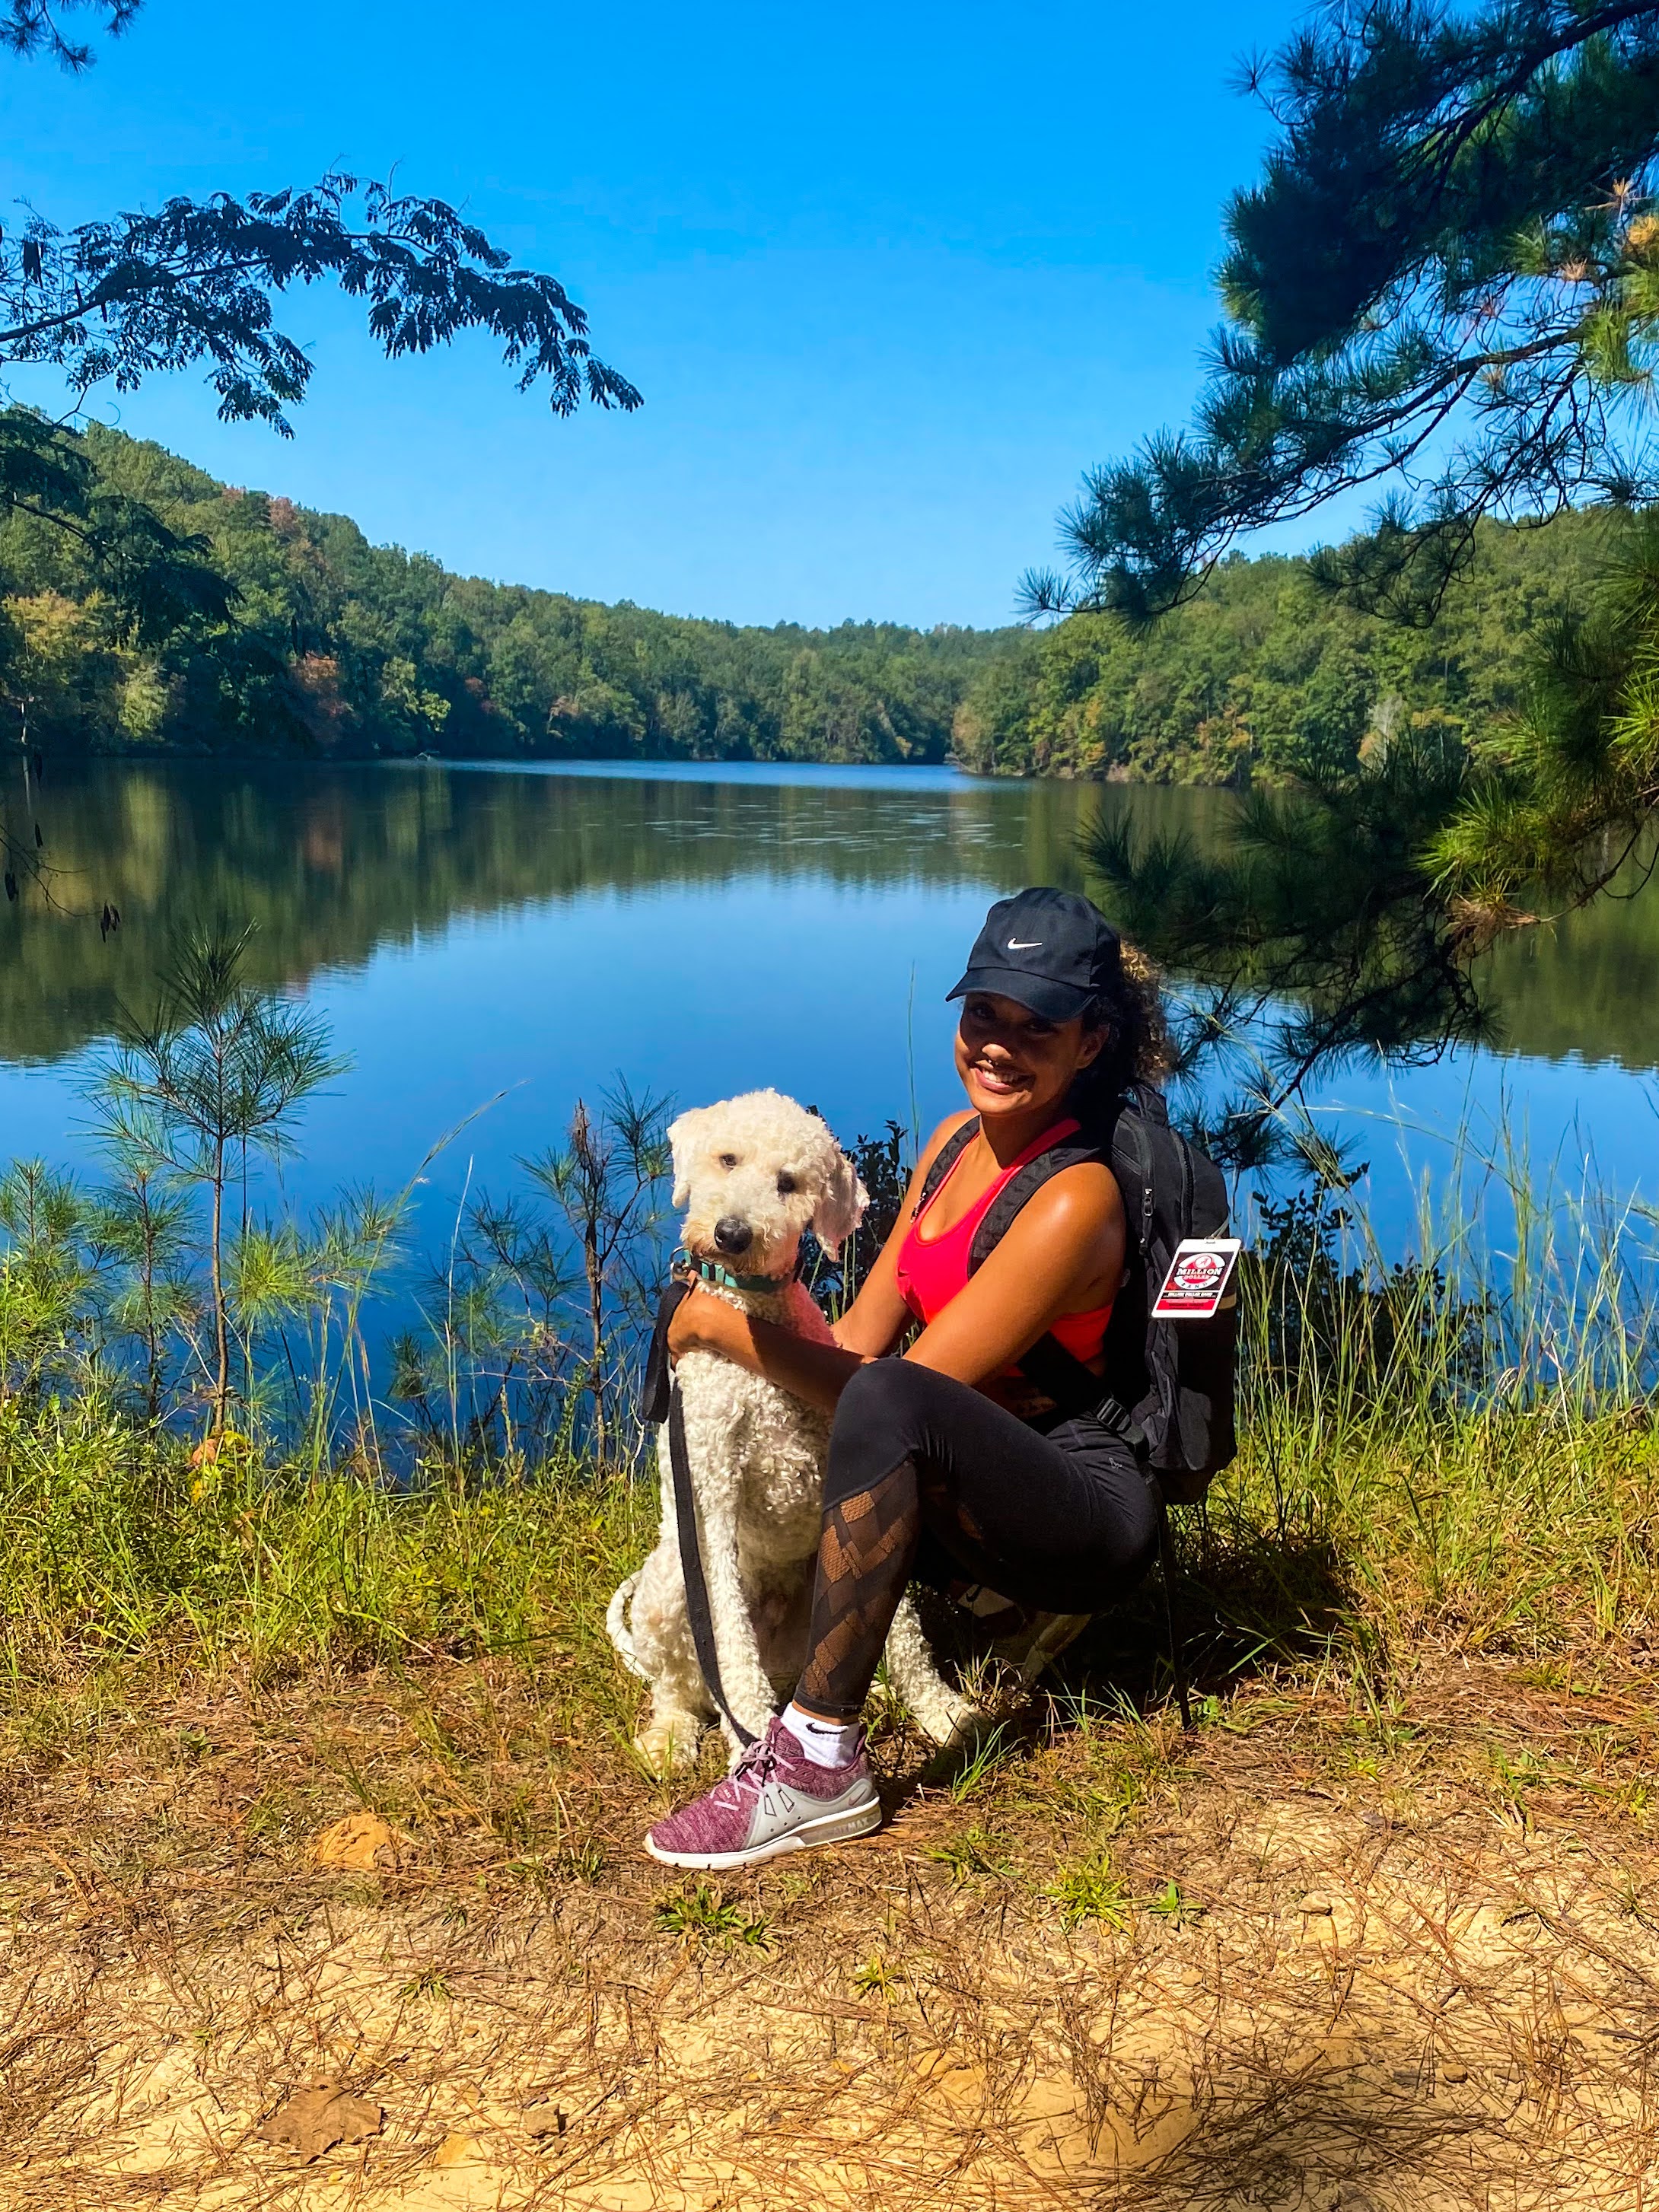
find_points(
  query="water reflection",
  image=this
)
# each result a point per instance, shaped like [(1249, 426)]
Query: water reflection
[(335, 863)]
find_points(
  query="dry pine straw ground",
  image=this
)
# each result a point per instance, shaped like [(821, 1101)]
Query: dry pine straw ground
[(1412, 1959)]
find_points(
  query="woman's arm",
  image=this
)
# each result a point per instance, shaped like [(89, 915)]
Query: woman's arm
[(878, 1316), (816, 1372), (819, 1373), (1063, 1253)]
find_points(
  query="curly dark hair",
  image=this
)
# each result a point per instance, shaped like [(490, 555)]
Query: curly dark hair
[(1129, 1005)]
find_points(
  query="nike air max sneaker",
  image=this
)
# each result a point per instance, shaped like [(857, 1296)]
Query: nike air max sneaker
[(774, 1800)]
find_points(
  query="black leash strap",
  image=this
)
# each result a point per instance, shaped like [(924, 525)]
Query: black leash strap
[(662, 1398), (697, 1587), (659, 1374)]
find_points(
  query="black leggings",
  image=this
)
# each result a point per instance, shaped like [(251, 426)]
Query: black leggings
[(929, 1478)]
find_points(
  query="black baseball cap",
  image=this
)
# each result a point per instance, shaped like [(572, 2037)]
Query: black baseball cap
[(1051, 950)]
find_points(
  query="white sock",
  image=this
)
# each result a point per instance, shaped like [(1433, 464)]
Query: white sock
[(826, 1743)]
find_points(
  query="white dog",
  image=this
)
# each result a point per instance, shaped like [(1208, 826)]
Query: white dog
[(751, 1175)]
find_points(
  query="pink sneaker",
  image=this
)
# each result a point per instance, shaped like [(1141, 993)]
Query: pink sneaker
[(774, 1800)]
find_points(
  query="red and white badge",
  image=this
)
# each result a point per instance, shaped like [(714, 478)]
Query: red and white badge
[(1196, 1286)]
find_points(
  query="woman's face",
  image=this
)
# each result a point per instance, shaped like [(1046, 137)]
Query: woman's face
[(1012, 1061)]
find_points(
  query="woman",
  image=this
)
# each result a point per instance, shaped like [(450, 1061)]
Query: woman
[(946, 1462)]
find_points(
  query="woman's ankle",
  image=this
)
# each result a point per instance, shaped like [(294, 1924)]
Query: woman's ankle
[(825, 1742)]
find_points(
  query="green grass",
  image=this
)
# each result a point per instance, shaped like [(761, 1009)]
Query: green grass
[(1342, 1538), (1090, 1891), (1461, 1450), (975, 1855), (112, 1543), (703, 1913)]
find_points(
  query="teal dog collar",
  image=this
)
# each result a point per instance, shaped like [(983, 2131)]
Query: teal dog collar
[(710, 1271)]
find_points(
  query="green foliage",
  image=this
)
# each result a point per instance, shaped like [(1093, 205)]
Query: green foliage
[(192, 285), (703, 1914), (974, 1771), (48, 1284), (1344, 916), (1091, 1892), (1449, 278), (136, 581), (975, 1855), (1324, 1324), (1313, 927), (1445, 280), (326, 644), (110, 1539), (1566, 791), (1171, 1904), (116, 301), (219, 1069), (158, 1294), (1263, 674), (322, 643), (537, 1319), (31, 27)]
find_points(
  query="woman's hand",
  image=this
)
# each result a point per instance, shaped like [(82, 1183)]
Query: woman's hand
[(817, 1372), (702, 1323)]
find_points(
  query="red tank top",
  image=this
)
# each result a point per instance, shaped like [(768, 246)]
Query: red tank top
[(931, 1270)]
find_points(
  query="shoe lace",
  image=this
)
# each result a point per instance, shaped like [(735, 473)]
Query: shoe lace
[(753, 1771)]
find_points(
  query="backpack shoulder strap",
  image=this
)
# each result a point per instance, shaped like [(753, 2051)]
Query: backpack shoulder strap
[(943, 1160), (1020, 1189), (1132, 1164)]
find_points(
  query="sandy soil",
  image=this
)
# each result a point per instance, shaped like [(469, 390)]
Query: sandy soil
[(1411, 1961)]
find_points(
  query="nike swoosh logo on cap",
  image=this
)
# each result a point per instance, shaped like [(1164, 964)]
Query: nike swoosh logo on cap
[(1025, 944)]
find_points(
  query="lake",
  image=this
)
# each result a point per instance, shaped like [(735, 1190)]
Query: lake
[(494, 942)]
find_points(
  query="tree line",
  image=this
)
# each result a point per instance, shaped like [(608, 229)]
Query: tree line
[(303, 638), (318, 642), (1264, 673)]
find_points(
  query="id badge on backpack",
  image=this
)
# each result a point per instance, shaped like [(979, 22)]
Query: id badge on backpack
[(1200, 1280)]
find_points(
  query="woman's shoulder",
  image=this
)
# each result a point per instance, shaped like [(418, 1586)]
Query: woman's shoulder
[(1083, 1194), (941, 1137)]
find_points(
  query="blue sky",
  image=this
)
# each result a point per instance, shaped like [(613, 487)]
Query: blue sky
[(889, 278)]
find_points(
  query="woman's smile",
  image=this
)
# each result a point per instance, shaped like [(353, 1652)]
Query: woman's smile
[(999, 1079)]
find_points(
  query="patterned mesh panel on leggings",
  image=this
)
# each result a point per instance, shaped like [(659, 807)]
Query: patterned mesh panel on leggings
[(864, 1564)]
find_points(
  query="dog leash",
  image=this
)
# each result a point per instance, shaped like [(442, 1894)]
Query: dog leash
[(662, 1401)]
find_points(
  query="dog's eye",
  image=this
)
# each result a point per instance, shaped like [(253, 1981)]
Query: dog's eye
[(728, 1159), (786, 1185)]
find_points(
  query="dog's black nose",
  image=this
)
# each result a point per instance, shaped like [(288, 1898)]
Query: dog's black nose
[(731, 1235)]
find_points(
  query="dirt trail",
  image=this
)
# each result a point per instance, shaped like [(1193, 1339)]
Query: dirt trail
[(1406, 1964)]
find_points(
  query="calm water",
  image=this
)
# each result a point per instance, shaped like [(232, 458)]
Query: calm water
[(507, 940)]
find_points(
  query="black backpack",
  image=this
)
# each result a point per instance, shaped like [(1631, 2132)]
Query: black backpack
[(1169, 1384)]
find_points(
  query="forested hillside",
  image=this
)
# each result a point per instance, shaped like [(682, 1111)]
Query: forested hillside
[(337, 647), (347, 648), (1263, 666)]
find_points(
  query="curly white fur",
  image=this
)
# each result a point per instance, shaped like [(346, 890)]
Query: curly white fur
[(757, 1454)]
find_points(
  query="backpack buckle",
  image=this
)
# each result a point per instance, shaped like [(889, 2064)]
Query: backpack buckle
[(1117, 1420)]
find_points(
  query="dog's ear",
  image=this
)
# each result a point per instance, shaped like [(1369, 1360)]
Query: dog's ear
[(840, 1208), (682, 1148)]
